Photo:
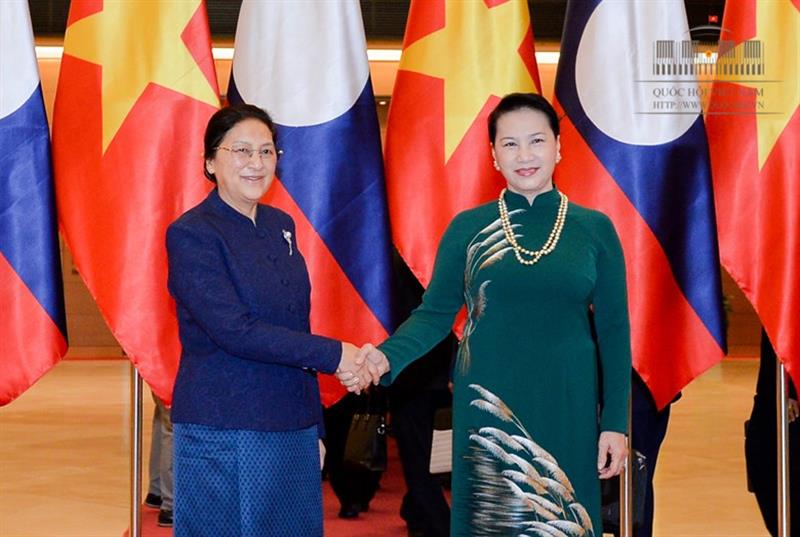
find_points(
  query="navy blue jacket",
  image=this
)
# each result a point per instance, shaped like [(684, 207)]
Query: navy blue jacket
[(243, 299)]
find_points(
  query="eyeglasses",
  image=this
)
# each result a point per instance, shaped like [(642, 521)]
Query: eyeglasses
[(243, 154)]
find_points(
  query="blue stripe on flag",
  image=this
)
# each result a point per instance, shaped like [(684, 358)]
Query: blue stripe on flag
[(28, 226)]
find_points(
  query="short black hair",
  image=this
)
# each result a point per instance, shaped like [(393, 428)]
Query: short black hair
[(223, 121), (521, 101)]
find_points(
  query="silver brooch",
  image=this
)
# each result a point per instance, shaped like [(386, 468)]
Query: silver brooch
[(287, 236)]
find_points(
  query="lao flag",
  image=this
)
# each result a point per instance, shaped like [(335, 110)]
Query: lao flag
[(634, 146), (306, 64), (33, 329)]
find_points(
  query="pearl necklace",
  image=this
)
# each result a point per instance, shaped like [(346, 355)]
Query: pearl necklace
[(552, 240)]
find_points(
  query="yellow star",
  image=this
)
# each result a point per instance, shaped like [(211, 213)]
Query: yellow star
[(138, 43), (778, 30), (476, 55)]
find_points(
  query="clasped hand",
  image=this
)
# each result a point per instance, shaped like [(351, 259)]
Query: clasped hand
[(359, 368)]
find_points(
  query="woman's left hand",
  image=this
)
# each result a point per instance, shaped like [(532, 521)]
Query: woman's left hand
[(611, 454)]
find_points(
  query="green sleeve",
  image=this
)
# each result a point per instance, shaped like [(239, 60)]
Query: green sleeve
[(432, 320), (610, 304)]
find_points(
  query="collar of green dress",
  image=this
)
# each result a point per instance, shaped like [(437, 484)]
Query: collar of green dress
[(546, 199)]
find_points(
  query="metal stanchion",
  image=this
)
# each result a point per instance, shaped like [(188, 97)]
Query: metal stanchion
[(136, 453), (626, 485), (782, 401)]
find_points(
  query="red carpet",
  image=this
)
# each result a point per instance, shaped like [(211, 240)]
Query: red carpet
[(382, 519)]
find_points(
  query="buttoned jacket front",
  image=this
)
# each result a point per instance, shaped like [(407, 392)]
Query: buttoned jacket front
[(248, 358)]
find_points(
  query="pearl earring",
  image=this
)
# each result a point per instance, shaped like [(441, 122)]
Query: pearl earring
[(558, 157), (496, 166)]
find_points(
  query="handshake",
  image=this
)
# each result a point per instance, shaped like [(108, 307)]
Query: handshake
[(359, 368)]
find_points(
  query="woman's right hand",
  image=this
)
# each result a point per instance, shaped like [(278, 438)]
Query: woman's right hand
[(351, 371)]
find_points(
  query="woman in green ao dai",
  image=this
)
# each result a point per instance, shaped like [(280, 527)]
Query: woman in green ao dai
[(542, 377)]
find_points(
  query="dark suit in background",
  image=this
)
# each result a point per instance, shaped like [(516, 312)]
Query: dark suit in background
[(353, 486), (649, 427), (414, 397), (761, 446)]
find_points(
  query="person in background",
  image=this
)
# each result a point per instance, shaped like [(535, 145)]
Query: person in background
[(159, 489), (649, 428), (414, 398), (761, 444), (354, 486), (246, 405)]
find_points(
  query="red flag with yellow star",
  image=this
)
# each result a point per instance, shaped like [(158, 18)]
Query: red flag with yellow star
[(136, 88), (753, 125), (459, 58)]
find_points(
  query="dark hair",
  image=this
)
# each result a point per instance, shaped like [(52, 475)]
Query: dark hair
[(223, 121), (520, 101)]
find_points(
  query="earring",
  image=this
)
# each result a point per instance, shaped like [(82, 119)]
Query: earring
[(558, 157), (496, 166)]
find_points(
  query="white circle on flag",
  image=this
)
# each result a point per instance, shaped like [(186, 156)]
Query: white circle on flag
[(304, 62), (19, 72), (626, 71)]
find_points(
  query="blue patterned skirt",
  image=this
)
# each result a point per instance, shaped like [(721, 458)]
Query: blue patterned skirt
[(246, 483)]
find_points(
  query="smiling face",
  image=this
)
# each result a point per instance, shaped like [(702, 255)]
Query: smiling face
[(242, 180), (526, 149)]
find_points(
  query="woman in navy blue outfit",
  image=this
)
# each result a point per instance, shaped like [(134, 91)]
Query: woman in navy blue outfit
[(246, 407)]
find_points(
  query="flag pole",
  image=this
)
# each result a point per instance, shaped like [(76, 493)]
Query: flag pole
[(626, 485), (136, 454), (782, 401)]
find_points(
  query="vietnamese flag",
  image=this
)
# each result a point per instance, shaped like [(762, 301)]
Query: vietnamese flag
[(459, 58), (753, 124), (136, 88)]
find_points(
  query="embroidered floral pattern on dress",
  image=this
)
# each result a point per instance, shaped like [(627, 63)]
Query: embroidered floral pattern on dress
[(518, 487), (487, 247)]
